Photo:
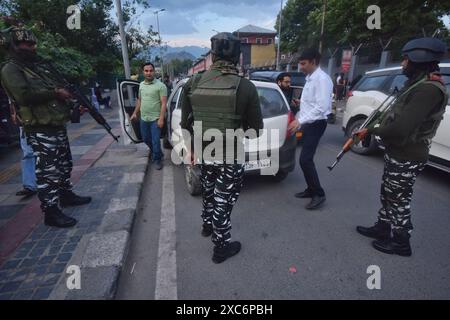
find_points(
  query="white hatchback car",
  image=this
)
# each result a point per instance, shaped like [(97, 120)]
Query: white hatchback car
[(258, 152), (371, 90)]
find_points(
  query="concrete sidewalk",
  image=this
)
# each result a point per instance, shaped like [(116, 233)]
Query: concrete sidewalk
[(35, 258)]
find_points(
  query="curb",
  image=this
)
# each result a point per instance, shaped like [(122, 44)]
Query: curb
[(101, 255), (18, 228)]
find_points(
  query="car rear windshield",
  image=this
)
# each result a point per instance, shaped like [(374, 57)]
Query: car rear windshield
[(298, 80), (272, 103), (370, 83)]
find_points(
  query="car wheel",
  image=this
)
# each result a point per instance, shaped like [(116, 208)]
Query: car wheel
[(359, 148), (193, 182), (280, 176)]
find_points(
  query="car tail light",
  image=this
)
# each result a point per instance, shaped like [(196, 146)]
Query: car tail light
[(291, 117), (349, 94)]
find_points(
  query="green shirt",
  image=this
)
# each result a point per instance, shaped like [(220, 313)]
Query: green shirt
[(150, 94)]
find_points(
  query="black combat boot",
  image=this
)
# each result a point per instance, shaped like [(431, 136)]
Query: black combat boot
[(380, 231), (69, 198), (207, 229), (55, 218), (229, 250), (398, 244)]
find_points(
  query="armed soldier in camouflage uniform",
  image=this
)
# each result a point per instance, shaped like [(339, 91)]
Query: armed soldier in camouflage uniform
[(44, 109), (406, 132), (221, 99)]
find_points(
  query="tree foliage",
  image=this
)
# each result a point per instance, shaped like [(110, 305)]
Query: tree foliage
[(346, 23)]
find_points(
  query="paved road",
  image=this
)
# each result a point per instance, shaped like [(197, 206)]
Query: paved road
[(169, 258)]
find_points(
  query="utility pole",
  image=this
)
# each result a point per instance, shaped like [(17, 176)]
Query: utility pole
[(279, 36), (159, 36), (126, 60), (323, 25)]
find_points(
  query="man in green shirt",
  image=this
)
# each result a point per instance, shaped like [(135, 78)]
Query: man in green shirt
[(151, 105)]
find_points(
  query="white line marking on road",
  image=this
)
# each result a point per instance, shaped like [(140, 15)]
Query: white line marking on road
[(166, 272), (132, 269)]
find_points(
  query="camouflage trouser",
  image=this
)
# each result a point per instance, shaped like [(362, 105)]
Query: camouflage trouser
[(53, 165), (396, 191), (221, 185)]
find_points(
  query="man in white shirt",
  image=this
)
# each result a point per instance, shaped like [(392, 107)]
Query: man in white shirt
[(315, 105)]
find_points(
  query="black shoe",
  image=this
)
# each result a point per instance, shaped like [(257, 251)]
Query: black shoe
[(398, 244), (55, 218), (316, 202), (26, 192), (158, 165), (380, 231), (222, 254), (207, 229), (68, 198), (304, 194)]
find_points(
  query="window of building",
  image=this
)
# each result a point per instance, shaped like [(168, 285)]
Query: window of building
[(244, 40), (258, 40), (270, 41)]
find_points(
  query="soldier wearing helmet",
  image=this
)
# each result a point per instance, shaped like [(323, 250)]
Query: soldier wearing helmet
[(220, 99), (406, 132), (44, 109)]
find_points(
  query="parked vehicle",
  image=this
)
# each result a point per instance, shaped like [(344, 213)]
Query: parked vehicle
[(276, 114), (368, 94)]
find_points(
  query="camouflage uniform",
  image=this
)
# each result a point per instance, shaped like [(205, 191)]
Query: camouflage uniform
[(396, 191), (44, 110), (53, 165), (221, 186), (220, 99)]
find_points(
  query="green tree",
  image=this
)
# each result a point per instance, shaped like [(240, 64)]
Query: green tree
[(346, 23)]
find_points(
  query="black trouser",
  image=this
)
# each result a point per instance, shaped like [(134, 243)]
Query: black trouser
[(312, 132), (53, 165), (221, 185)]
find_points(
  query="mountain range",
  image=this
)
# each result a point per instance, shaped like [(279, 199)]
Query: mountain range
[(195, 51)]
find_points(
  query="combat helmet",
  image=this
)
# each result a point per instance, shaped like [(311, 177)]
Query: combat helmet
[(424, 50), (226, 46)]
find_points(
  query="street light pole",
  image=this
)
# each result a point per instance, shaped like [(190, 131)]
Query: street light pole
[(323, 25), (159, 36), (126, 60), (279, 36)]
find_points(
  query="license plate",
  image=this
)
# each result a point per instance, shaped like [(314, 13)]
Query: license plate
[(257, 164)]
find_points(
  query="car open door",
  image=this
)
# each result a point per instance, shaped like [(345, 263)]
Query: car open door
[(127, 93)]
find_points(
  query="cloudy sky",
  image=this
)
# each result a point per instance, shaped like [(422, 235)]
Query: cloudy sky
[(190, 22)]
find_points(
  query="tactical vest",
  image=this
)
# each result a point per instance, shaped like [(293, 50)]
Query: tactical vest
[(429, 126), (427, 129), (213, 99), (53, 113)]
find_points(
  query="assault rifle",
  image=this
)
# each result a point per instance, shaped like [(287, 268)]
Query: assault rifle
[(81, 98)]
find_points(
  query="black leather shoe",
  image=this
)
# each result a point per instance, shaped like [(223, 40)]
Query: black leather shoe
[(55, 218), (26, 192), (380, 231), (207, 229), (398, 244), (69, 198), (222, 254), (304, 194), (316, 202), (158, 165)]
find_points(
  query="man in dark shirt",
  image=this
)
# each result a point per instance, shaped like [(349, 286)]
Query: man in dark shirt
[(284, 82), (406, 132)]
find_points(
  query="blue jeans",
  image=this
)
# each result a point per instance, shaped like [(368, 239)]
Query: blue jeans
[(28, 163), (151, 134)]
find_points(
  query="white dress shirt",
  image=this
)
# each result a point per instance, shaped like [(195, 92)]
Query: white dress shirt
[(315, 103)]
